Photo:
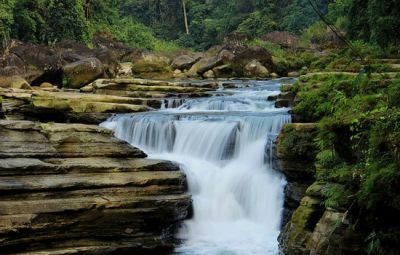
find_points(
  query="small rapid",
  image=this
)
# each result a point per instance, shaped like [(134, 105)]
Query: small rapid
[(224, 144)]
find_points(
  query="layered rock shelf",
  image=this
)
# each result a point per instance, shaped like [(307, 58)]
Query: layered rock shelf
[(151, 88), (75, 189), (62, 106)]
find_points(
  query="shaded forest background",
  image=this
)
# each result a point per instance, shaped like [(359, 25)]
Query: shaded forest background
[(159, 24)]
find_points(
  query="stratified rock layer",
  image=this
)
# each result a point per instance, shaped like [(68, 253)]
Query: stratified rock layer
[(75, 189)]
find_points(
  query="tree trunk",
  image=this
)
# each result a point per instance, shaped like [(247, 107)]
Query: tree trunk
[(185, 17), (87, 9)]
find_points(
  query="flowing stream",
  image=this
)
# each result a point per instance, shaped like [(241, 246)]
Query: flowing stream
[(224, 144)]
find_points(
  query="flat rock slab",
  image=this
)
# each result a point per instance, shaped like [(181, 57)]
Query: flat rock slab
[(64, 106)]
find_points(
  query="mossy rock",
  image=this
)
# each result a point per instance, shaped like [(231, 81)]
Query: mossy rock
[(145, 66), (296, 151), (151, 64), (80, 73), (316, 189), (298, 231), (296, 141)]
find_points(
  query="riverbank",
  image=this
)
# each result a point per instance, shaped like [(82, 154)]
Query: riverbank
[(341, 161)]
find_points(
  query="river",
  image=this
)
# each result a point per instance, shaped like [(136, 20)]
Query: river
[(224, 144)]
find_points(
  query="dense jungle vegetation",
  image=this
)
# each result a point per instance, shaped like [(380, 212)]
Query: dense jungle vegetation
[(152, 24)]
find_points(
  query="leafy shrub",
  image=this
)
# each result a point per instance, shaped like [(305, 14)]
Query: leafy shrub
[(274, 49), (359, 148)]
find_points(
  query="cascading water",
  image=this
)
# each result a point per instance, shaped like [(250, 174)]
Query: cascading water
[(224, 145)]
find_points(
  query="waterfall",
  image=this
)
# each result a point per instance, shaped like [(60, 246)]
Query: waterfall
[(224, 145)]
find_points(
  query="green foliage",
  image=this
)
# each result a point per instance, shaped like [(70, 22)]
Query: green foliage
[(327, 158), (49, 21), (272, 48), (166, 47), (299, 144), (364, 49), (380, 185), (128, 32), (210, 21), (258, 24), (359, 147), (336, 195), (394, 94), (300, 15), (375, 21), (6, 18), (46, 21)]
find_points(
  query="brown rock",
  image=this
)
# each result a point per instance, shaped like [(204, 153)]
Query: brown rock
[(224, 71), (184, 62), (82, 72), (203, 65), (254, 69), (293, 74), (46, 85), (15, 82), (244, 55), (151, 64), (209, 74), (281, 103)]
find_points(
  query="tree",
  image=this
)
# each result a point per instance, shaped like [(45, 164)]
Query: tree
[(185, 17), (6, 18)]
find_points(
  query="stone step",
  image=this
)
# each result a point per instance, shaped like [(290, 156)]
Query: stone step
[(34, 166), (25, 139), (147, 82), (85, 181), (143, 246), (85, 203), (151, 190)]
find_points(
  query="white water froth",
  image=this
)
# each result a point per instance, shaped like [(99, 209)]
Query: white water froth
[(237, 196)]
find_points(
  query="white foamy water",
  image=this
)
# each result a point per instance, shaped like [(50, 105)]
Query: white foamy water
[(224, 145)]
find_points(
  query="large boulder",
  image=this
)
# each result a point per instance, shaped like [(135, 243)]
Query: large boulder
[(125, 70), (209, 74), (184, 62), (238, 56), (122, 52), (35, 61), (82, 72), (7, 75), (255, 69), (19, 83), (107, 53), (204, 65), (15, 82), (38, 64), (226, 55), (224, 71), (151, 65)]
